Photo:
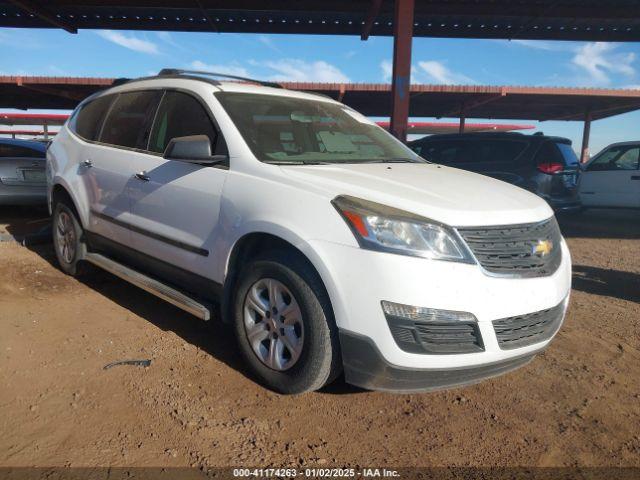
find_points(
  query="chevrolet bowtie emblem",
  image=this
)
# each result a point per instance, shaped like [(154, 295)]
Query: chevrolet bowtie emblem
[(543, 248)]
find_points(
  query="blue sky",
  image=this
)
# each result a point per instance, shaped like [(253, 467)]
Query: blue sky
[(338, 58)]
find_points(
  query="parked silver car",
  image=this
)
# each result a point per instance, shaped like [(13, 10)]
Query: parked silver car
[(22, 172)]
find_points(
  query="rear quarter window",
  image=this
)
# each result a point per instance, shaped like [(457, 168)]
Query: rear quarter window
[(569, 155), (553, 152), (88, 121)]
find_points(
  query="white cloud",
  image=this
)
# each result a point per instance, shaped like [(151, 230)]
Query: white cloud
[(437, 72), (231, 69), (543, 45), (167, 38), (296, 70), (387, 70), (268, 42), (599, 60), (129, 41)]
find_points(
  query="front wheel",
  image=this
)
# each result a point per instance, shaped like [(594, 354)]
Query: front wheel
[(68, 239), (284, 324)]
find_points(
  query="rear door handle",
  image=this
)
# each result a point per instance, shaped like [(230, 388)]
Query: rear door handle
[(142, 176), (88, 163), (635, 177)]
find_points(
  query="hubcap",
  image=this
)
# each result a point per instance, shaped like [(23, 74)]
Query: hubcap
[(273, 324), (66, 237)]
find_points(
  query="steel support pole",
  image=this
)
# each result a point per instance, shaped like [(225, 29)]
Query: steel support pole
[(46, 131), (586, 133), (402, 37), (462, 122)]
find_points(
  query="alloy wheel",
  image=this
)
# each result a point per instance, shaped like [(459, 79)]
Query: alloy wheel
[(66, 237)]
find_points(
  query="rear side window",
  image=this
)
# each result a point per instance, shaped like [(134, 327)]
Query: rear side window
[(16, 151), (473, 151), (180, 115), (88, 121), (128, 123), (499, 150), (443, 152)]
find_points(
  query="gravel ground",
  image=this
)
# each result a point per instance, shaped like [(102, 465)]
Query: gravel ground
[(576, 404)]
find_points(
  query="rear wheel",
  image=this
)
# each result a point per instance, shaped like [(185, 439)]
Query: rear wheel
[(68, 239), (284, 324)]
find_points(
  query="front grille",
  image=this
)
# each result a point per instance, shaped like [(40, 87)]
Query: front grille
[(517, 250), (523, 330)]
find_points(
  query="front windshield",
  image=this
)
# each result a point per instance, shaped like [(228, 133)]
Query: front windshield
[(286, 130)]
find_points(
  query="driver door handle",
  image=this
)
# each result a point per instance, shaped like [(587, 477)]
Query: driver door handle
[(88, 163), (142, 176), (635, 177)]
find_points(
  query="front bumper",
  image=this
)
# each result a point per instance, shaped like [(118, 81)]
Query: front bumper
[(364, 366), (357, 281)]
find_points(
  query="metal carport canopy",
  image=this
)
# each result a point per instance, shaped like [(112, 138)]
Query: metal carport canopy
[(612, 20), (440, 101)]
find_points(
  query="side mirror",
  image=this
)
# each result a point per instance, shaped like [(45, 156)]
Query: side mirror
[(192, 149)]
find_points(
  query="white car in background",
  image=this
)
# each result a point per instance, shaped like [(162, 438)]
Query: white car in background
[(328, 243), (612, 178)]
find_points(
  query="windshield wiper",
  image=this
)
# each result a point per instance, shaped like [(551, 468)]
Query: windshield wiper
[(398, 160), (301, 162)]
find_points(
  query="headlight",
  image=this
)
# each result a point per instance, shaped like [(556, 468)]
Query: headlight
[(387, 229)]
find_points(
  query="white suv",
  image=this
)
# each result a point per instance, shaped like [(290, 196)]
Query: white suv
[(327, 244)]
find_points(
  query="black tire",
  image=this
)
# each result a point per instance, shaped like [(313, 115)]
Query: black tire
[(319, 362), (73, 264)]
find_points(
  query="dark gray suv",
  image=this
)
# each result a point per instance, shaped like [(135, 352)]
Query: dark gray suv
[(546, 166)]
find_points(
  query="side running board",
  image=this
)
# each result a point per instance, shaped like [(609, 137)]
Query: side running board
[(151, 285)]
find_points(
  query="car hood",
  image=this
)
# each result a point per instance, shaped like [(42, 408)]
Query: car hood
[(448, 195)]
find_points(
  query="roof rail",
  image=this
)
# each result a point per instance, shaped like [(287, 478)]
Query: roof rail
[(179, 71)]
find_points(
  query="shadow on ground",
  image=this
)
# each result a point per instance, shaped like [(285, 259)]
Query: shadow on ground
[(20, 223), (601, 223), (213, 337), (607, 282)]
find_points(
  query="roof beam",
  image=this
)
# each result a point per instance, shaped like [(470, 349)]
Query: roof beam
[(44, 14), (56, 92), (579, 115), (466, 107), (374, 11), (207, 16)]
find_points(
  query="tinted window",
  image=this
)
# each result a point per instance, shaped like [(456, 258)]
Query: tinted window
[(622, 157), (88, 121), (568, 154), (472, 151), (128, 123), (18, 151), (499, 150), (180, 115), (549, 153)]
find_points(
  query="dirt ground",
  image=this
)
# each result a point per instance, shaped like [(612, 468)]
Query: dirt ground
[(577, 404)]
